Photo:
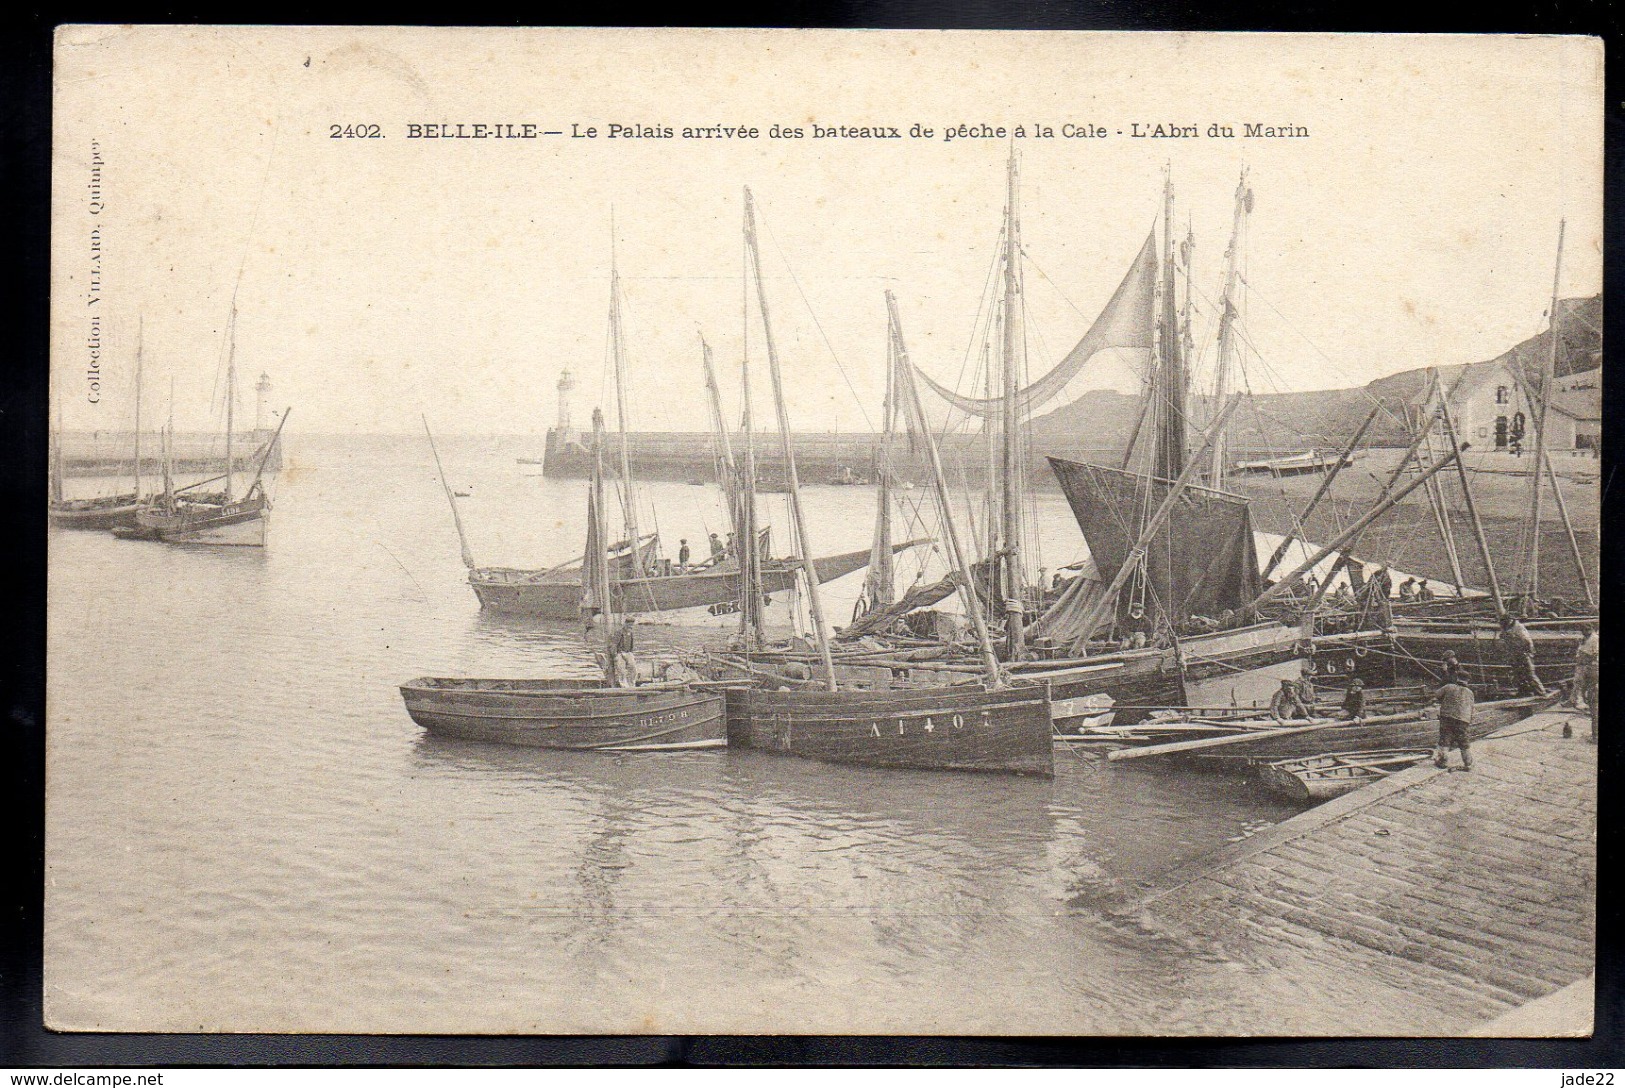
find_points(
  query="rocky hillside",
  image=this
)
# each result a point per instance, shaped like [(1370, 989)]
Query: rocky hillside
[(1327, 417)]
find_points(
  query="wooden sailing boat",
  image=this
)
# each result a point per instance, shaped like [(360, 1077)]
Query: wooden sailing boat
[(640, 582), (992, 727), (614, 714), (222, 518), (106, 511), (1194, 556)]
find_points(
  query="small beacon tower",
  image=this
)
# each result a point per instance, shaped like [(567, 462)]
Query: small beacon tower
[(566, 386)]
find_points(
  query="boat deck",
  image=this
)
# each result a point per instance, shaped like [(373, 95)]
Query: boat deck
[(1443, 899)]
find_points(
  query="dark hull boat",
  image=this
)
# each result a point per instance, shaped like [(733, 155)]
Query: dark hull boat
[(580, 714), (1271, 741), (1421, 648), (109, 512), (557, 596), (953, 729), (1238, 668), (241, 523)]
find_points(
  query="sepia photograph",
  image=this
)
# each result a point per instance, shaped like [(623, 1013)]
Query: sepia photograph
[(823, 532)]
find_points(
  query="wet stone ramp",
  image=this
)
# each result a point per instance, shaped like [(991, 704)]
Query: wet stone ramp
[(1432, 901)]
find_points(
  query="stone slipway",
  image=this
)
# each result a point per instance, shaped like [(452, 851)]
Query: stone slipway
[(1431, 903)]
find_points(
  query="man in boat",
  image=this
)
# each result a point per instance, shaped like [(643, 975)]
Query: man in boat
[(1287, 704), (1137, 630), (682, 555), (1585, 675), (1306, 690), (1354, 700), (1455, 717), (1451, 666), (1424, 592), (1519, 646), (728, 549), (1407, 590), (716, 549), (626, 662)]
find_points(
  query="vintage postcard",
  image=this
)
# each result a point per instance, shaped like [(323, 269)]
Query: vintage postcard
[(838, 532)]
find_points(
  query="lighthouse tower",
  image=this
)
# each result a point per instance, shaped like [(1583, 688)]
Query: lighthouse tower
[(262, 396), (566, 386)]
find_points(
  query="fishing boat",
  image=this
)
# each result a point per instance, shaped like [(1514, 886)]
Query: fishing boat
[(104, 511), (1320, 778), (221, 518), (1270, 741), (555, 594), (1307, 463), (614, 713), (568, 713), (641, 582), (989, 725)]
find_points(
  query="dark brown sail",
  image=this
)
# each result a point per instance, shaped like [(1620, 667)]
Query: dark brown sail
[(1204, 560)]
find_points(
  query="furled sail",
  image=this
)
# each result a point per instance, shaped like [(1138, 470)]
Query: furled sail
[(1126, 322), (1203, 561), (919, 597)]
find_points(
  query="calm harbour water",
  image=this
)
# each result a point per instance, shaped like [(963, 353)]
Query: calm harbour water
[(246, 832)]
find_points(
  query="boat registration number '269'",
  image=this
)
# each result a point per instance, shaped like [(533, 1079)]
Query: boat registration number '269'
[(929, 725)]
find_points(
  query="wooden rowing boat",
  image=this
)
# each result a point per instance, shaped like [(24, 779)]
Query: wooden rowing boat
[(107, 512), (567, 713), (1270, 741), (1322, 777)]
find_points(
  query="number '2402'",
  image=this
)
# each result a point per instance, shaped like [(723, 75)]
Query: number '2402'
[(355, 132)]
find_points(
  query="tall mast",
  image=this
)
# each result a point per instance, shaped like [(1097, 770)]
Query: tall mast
[(1532, 577), (1170, 398), (629, 505), (169, 450), (1015, 640), (1227, 325), (881, 579), (808, 567), (596, 563), (231, 392), (750, 585), (451, 500), (140, 325), (956, 554)]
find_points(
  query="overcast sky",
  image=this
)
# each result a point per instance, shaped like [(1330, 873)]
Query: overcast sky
[(379, 278)]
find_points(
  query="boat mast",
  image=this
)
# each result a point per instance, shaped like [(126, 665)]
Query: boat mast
[(169, 450), (750, 584), (727, 467), (1532, 575), (456, 518), (881, 579), (1170, 399), (1472, 506), (808, 567), (629, 506), (956, 554), (1014, 595), (231, 392), (1227, 326), (140, 325), (596, 561)]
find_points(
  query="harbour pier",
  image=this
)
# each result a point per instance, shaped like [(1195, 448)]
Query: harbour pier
[(1437, 902)]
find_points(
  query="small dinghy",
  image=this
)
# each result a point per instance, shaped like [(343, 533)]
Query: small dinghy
[(1320, 778)]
